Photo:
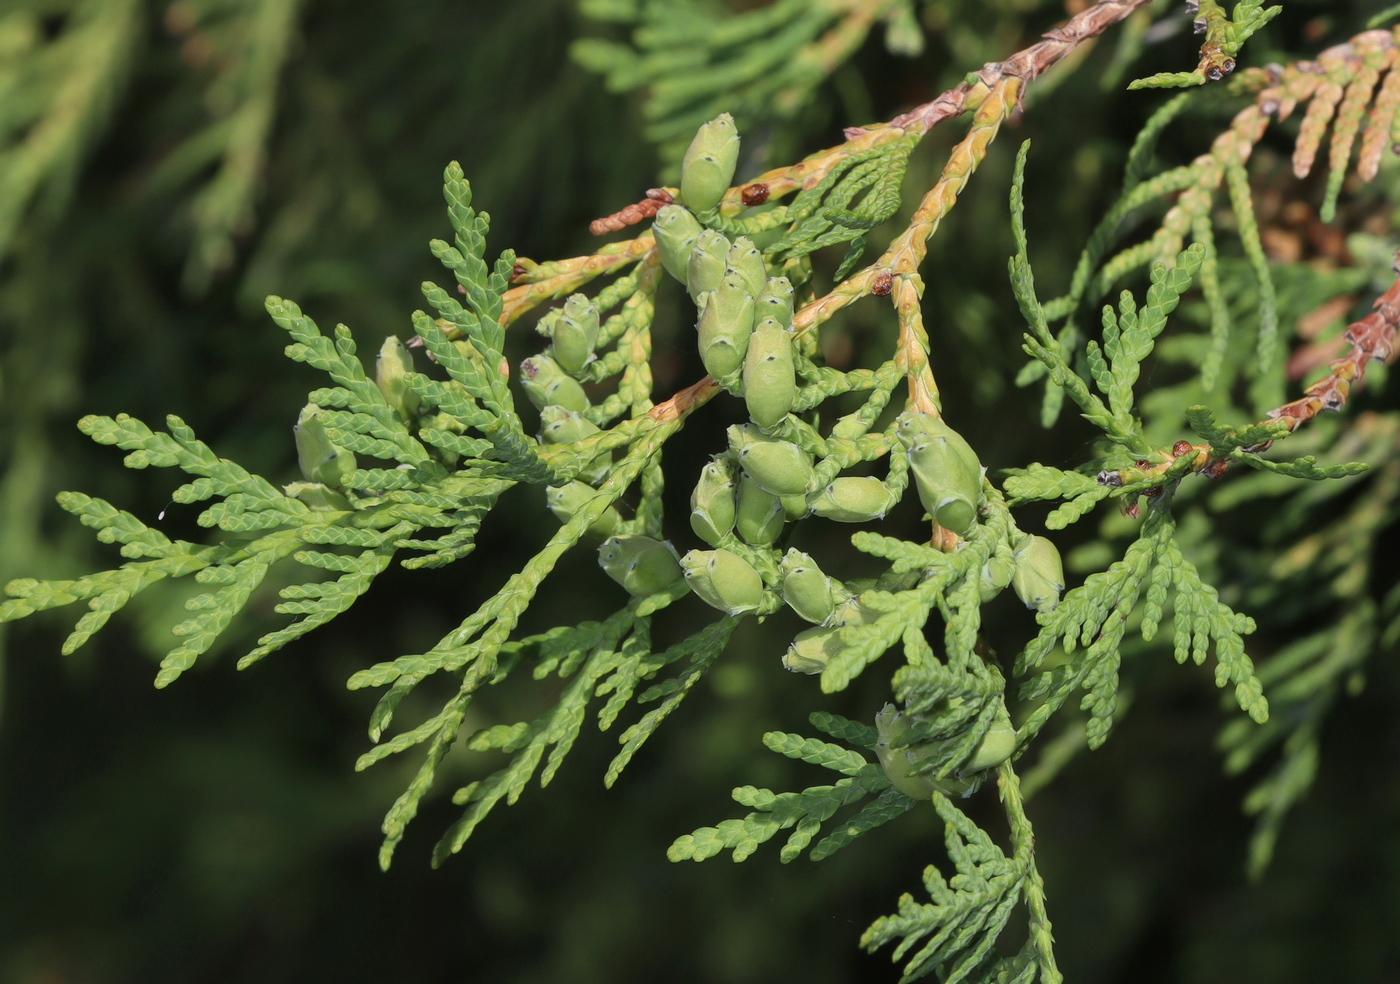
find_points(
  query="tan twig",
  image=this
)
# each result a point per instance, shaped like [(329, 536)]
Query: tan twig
[(634, 213), (546, 281), (685, 401), (1373, 337), (993, 92)]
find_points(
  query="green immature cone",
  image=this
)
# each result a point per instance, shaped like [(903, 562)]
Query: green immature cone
[(758, 516), (1039, 575), (849, 610), (995, 575), (319, 459), (708, 259), (575, 333), (712, 502), (561, 426), (451, 425), (812, 649), (770, 373), (724, 328), (566, 500), (723, 580), (320, 498), (996, 746), (675, 229), (853, 500), (548, 385), (807, 589), (391, 369), (779, 466), (850, 427), (901, 764), (775, 301), (708, 165), (946, 470), (746, 261), (643, 566), (795, 506)]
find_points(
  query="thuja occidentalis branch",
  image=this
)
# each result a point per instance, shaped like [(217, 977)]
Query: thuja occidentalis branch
[(1033, 888), (992, 93), (1025, 65), (1373, 337), (541, 282), (669, 412), (912, 354)]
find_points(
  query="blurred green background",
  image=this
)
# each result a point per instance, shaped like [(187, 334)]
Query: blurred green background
[(163, 167)]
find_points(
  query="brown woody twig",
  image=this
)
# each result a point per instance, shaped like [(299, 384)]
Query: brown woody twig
[(1025, 65), (1373, 337), (634, 213)]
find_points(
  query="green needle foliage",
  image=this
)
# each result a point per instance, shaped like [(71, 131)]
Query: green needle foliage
[(405, 462), (807, 810), (968, 911), (1225, 33)]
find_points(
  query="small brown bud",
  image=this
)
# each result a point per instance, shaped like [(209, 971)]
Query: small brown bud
[(1180, 448), (1215, 469), (882, 284), (754, 194)]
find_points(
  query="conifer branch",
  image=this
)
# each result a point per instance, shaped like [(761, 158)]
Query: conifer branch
[(1224, 34), (407, 464), (1352, 70), (970, 910), (80, 73), (759, 65), (1042, 937), (1026, 65), (1372, 337), (248, 44)]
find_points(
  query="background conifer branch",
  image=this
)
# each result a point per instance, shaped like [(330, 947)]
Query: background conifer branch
[(83, 70), (243, 47)]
